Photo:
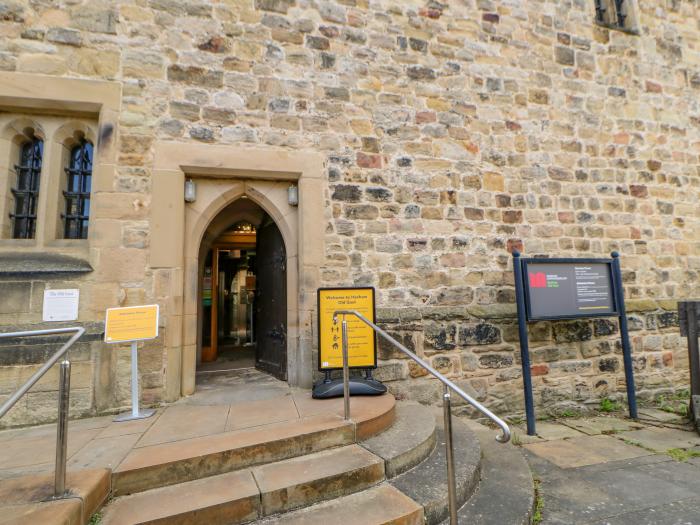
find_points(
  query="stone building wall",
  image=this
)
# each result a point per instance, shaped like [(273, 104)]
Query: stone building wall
[(454, 132)]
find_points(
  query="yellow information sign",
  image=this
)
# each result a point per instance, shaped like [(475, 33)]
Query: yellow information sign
[(362, 349), (132, 323)]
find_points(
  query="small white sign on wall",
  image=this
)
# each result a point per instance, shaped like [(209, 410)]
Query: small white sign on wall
[(61, 305)]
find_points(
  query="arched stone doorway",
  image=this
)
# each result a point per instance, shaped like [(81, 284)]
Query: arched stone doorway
[(242, 297), (223, 174)]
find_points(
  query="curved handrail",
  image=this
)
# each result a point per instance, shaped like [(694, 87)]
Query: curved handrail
[(505, 430), (79, 331)]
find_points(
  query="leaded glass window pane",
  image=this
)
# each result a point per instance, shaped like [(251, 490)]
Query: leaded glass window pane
[(77, 192), (26, 191)]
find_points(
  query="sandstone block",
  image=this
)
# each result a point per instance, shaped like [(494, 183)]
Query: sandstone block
[(195, 75)]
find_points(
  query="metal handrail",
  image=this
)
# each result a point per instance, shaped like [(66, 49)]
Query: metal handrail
[(448, 385), (63, 397)]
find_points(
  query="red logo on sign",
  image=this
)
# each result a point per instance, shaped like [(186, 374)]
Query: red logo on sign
[(538, 280)]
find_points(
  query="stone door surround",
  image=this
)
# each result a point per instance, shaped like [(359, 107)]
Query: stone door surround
[(223, 174)]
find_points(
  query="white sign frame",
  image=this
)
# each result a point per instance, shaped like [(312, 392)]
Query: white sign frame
[(60, 305)]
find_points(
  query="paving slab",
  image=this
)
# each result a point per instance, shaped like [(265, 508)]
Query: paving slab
[(661, 415), (33, 451), (586, 450), (550, 430), (185, 422), (685, 512), (263, 412), (74, 425), (661, 439), (235, 387), (521, 436), (103, 452), (602, 425), (125, 428), (640, 487), (647, 489)]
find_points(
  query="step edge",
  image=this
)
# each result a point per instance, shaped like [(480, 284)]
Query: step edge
[(336, 434), (435, 511), (486, 439), (417, 508), (407, 459), (329, 496), (374, 463)]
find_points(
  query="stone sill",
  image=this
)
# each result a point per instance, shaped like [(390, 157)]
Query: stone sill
[(629, 31), (30, 264)]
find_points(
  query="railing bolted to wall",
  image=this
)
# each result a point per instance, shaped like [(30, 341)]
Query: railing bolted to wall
[(448, 386), (63, 397)]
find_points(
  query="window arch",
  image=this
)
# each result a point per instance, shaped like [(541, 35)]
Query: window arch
[(76, 194), (26, 190)]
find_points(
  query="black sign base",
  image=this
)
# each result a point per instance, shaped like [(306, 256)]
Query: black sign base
[(358, 387)]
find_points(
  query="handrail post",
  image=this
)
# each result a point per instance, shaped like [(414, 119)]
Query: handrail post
[(63, 397), (62, 429), (449, 454), (346, 371)]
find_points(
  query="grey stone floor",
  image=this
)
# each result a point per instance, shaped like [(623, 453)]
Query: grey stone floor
[(611, 470)]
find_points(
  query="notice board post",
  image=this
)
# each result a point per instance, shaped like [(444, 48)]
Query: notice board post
[(624, 335), (131, 325), (689, 320), (554, 289)]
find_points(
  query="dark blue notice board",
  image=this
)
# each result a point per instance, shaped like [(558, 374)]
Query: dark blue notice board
[(568, 288)]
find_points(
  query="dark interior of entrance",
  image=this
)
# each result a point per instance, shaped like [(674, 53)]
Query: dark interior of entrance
[(243, 307)]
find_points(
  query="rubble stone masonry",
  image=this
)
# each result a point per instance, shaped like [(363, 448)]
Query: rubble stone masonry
[(453, 133)]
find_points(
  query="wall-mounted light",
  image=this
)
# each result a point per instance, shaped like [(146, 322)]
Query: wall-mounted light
[(190, 190), (293, 195)]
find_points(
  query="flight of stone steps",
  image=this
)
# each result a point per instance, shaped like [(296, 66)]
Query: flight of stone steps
[(386, 466)]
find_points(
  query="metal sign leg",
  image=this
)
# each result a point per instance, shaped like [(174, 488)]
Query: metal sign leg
[(135, 412)]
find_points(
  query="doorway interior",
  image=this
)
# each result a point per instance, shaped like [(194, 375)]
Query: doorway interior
[(243, 303)]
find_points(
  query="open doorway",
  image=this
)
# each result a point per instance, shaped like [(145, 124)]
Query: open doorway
[(243, 293)]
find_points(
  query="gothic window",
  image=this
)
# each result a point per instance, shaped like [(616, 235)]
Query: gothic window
[(26, 191), (616, 14), (77, 192)]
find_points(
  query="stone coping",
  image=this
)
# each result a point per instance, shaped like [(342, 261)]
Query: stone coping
[(496, 311), (33, 264)]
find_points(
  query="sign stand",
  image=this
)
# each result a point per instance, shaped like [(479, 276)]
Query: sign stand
[(132, 324), (589, 296), (135, 412), (362, 347)]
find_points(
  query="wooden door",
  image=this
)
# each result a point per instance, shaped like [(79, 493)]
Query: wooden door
[(271, 301), (210, 352)]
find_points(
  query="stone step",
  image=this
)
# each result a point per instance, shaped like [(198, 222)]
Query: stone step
[(506, 493), (408, 441), (164, 464), (27, 499), (380, 505), (243, 495), (426, 484), (303, 481)]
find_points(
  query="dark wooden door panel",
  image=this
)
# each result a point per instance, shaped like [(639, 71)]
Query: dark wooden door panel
[(271, 301)]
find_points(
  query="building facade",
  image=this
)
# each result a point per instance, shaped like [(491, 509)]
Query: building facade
[(225, 159)]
